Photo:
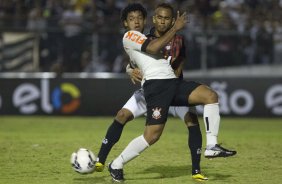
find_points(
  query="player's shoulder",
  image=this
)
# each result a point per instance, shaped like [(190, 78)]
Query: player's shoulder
[(134, 37), (151, 35), (132, 33)]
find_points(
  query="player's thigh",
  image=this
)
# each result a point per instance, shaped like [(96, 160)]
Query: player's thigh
[(187, 114), (159, 95), (137, 106), (178, 111), (183, 91), (203, 95)]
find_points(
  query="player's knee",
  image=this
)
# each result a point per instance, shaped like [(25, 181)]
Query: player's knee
[(153, 139), (212, 97), (123, 116), (153, 133), (191, 119)]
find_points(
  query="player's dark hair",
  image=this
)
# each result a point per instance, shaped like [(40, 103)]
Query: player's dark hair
[(132, 7), (166, 6)]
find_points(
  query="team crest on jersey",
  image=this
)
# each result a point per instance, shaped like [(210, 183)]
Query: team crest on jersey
[(156, 113)]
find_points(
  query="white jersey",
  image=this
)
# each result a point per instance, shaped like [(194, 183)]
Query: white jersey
[(150, 67)]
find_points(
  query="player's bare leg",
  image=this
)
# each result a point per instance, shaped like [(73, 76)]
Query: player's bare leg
[(209, 98), (151, 135)]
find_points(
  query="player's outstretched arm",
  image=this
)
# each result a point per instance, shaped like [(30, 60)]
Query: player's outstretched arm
[(155, 45)]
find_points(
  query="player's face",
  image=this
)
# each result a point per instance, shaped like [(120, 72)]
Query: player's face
[(135, 21), (163, 19)]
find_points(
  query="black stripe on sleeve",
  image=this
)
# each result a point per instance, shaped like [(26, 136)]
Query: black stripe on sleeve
[(145, 45)]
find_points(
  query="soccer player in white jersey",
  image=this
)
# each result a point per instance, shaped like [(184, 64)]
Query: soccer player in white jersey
[(136, 105), (161, 87)]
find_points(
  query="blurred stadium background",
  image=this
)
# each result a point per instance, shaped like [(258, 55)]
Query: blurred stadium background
[(64, 57)]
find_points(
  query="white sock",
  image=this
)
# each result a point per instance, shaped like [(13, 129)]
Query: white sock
[(212, 121), (133, 149)]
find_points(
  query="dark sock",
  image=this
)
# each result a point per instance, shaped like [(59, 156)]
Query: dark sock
[(112, 136), (195, 145)]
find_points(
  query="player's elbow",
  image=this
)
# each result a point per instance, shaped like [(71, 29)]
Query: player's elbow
[(152, 50), (151, 47)]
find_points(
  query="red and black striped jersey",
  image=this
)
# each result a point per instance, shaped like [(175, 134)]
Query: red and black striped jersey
[(175, 48)]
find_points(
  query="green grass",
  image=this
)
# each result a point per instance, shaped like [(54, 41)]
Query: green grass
[(37, 150)]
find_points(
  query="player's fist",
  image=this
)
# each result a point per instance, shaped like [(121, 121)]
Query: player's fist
[(135, 75)]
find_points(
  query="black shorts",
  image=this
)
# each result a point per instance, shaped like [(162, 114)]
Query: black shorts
[(183, 91), (162, 93)]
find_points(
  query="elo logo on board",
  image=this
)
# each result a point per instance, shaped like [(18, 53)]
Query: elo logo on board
[(26, 95), (70, 89)]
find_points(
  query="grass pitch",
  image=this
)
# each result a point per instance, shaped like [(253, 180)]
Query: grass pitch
[(37, 150)]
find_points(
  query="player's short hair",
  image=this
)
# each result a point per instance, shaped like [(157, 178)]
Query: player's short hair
[(166, 6), (133, 7)]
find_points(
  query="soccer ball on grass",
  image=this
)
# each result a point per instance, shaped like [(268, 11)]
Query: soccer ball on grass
[(83, 161)]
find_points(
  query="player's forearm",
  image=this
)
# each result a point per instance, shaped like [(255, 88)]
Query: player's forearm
[(154, 46), (179, 68), (157, 44)]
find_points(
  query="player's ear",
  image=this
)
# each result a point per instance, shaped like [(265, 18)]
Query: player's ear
[(125, 24), (154, 19)]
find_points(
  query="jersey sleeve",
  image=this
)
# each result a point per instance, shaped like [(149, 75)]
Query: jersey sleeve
[(134, 40)]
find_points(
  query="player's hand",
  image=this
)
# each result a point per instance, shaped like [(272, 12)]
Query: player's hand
[(136, 75), (181, 20)]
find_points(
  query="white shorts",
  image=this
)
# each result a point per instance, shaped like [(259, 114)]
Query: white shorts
[(137, 106)]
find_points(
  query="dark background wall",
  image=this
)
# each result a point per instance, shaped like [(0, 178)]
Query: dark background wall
[(255, 97)]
